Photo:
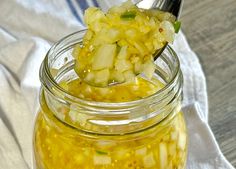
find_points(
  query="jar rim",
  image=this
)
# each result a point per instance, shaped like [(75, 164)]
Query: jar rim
[(45, 71)]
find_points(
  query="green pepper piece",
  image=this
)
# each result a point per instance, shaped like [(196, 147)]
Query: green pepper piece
[(177, 26), (128, 15), (101, 152)]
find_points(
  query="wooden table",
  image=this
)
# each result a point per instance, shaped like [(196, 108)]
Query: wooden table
[(210, 27)]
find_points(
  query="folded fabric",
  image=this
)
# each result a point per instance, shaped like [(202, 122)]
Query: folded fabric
[(203, 151), (27, 30)]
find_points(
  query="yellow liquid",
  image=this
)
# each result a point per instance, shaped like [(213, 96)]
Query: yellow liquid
[(58, 146), (130, 91)]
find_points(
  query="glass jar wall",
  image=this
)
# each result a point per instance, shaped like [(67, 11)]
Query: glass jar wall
[(73, 132)]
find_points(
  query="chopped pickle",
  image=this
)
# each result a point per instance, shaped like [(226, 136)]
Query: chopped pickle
[(59, 146), (128, 15), (177, 26), (57, 149), (120, 44), (101, 152), (117, 47)]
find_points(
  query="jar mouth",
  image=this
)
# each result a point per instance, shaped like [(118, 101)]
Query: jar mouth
[(49, 81)]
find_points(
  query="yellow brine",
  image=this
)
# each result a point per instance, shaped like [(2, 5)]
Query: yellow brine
[(60, 146)]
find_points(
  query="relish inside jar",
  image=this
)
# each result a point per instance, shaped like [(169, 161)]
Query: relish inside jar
[(133, 125), (58, 145)]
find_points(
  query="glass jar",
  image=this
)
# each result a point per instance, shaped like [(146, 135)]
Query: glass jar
[(74, 133)]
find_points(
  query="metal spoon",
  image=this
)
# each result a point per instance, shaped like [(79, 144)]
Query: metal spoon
[(172, 6)]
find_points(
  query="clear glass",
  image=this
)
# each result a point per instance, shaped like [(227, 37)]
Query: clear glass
[(72, 133)]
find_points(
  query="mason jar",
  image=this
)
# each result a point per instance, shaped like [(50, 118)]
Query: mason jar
[(75, 133)]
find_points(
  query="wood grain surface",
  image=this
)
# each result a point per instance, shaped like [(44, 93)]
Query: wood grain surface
[(210, 27)]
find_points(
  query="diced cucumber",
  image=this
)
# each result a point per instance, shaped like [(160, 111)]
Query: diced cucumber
[(123, 53), (102, 76), (131, 33), (174, 135), (163, 155), (138, 67), (161, 15), (141, 48), (104, 57), (118, 76), (77, 117), (73, 115), (102, 144), (113, 35), (99, 159), (149, 161), (172, 148), (105, 36), (89, 76), (182, 141), (93, 14), (168, 31), (141, 151), (121, 153), (88, 89), (148, 69), (122, 65), (129, 75)]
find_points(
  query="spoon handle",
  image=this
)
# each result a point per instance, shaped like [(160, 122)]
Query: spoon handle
[(172, 6)]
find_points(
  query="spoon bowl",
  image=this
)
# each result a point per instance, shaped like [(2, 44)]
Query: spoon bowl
[(172, 6)]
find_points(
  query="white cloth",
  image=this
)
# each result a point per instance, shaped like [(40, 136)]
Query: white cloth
[(27, 30)]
